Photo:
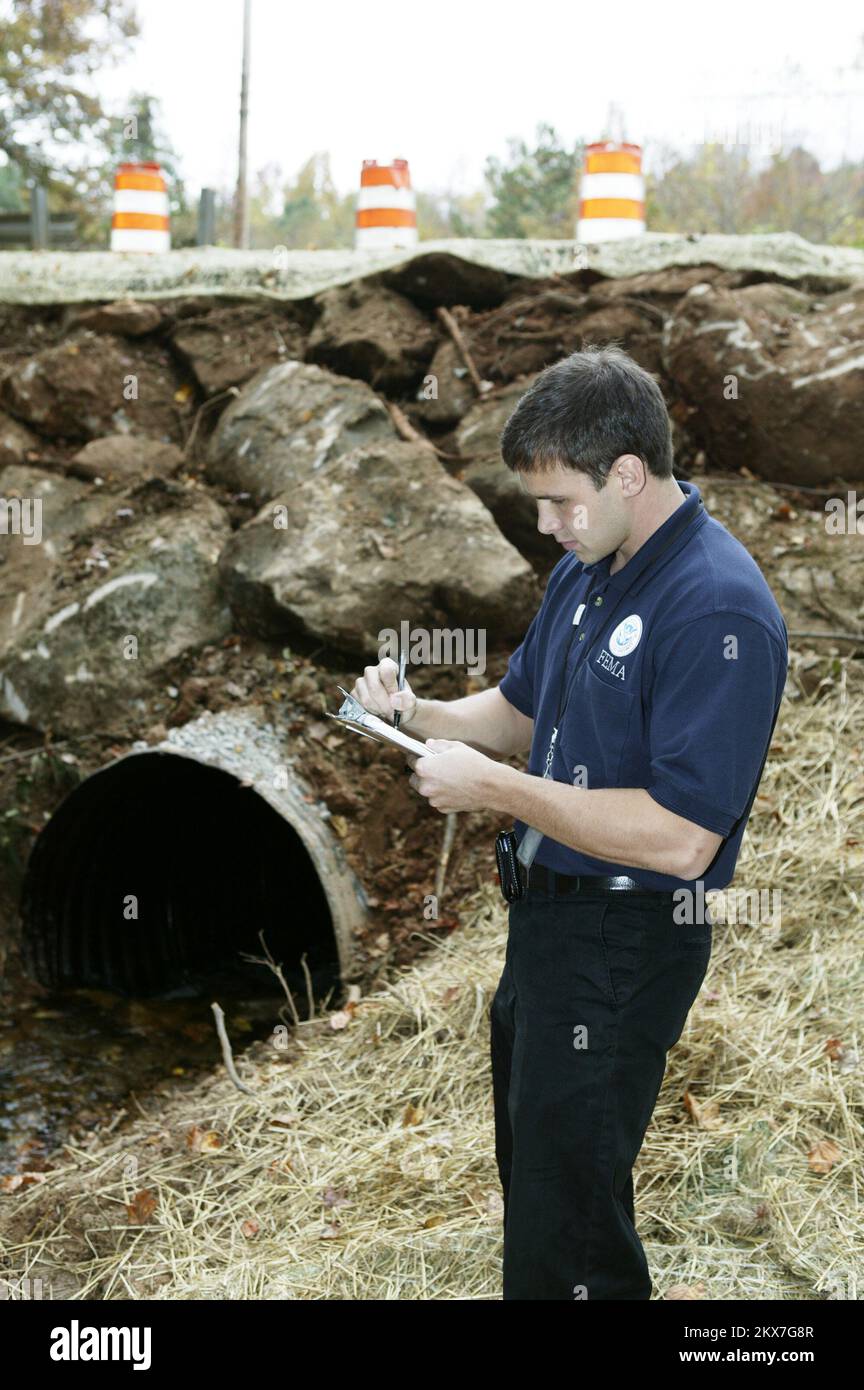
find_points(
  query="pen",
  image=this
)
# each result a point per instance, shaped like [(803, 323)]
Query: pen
[(400, 685)]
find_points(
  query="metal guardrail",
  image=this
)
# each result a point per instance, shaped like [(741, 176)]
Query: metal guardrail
[(40, 229)]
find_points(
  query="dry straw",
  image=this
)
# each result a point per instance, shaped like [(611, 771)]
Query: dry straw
[(363, 1168)]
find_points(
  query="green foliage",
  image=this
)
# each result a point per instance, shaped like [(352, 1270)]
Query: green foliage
[(718, 189), (49, 49), (13, 195), (535, 192), (314, 215), (55, 132), (52, 129), (138, 135)]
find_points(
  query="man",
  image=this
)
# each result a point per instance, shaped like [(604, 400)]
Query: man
[(647, 688)]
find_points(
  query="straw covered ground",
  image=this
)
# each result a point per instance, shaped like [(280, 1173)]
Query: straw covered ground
[(363, 1166)]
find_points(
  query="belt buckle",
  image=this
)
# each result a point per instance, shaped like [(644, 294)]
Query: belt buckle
[(620, 883)]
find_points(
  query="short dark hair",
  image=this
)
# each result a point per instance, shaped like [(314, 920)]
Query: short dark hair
[(585, 411)]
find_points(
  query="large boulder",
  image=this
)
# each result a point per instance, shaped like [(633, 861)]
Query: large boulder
[(367, 331), (633, 326), (775, 380), (449, 394), (16, 441), (811, 556), (51, 512), (227, 345), (94, 384), (497, 486), (126, 458), (287, 424), (389, 537), (88, 645)]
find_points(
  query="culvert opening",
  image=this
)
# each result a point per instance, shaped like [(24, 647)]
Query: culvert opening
[(158, 872)]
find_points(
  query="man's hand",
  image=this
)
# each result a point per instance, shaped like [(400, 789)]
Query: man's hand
[(377, 691), (458, 778)]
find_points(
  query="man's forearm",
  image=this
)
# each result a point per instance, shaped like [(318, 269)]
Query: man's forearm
[(620, 825), (486, 721)]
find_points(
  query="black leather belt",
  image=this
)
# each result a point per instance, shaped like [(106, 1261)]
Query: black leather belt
[(548, 881)]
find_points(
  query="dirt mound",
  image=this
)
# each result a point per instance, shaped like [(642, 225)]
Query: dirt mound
[(154, 429)]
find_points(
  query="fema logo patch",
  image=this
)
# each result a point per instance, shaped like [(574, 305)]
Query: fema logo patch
[(626, 635)]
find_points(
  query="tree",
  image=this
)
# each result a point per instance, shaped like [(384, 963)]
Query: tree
[(535, 192), (449, 214), (705, 192), (138, 135), (314, 214), (718, 189), (49, 48), (12, 191)]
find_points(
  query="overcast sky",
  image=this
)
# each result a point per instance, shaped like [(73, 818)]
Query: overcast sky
[(445, 84)]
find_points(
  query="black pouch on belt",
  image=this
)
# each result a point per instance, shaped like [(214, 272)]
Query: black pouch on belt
[(509, 869)]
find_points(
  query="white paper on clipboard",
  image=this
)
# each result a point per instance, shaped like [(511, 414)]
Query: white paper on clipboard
[(352, 714)]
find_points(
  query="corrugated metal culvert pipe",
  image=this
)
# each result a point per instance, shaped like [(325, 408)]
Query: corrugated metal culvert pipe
[(157, 871)]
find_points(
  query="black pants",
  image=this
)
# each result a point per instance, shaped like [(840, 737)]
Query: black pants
[(594, 992)]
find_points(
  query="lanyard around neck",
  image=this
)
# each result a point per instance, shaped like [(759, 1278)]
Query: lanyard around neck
[(563, 701)]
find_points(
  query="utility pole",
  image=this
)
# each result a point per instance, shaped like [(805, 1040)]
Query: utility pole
[(241, 203)]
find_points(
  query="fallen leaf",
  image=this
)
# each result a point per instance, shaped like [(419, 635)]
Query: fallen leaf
[(202, 1140), (141, 1208), (706, 1115), (823, 1156), (13, 1182), (250, 1228)]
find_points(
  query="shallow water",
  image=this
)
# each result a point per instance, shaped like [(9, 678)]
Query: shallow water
[(71, 1060)]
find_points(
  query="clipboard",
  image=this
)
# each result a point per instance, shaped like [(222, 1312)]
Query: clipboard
[(352, 715)]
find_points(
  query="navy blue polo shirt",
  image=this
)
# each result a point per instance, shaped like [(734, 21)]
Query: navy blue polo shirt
[(676, 671)]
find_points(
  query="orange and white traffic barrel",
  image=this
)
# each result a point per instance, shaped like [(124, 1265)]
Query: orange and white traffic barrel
[(140, 221), (386, 213), (612, 192)]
